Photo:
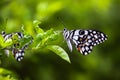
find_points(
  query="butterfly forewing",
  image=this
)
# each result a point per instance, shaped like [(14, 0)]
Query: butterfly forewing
[(86, 39)]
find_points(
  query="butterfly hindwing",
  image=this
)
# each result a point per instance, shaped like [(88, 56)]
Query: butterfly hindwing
[(84, 49), (82, 44), (18, 54)]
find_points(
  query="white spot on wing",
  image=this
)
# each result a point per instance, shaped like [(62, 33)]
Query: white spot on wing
[(94, 44), (75, 37), (96, 36), (89, 41), (90, 30), (86, 48), (94, 32), (76, 32), (86, 32), (83, 49), (97, 42), (89, 51), (102, 38), (102, 35), (7, 52), (19, 59), (89, 37), (16, 56), (22, 54), (69, 45), (85, 53), (75, 42), (105, 38), (81, 36), (19, 54), (90, 47)]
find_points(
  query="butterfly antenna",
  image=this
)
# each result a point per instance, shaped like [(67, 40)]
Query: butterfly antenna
[(61, 22)]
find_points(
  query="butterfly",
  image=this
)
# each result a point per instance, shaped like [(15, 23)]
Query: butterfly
[(8, 36), (84, 40), (18, 53)]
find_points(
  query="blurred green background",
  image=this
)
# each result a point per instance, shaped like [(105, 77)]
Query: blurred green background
[(102, 64)]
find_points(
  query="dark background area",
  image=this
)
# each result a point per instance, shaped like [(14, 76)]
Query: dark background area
[(102, 64)]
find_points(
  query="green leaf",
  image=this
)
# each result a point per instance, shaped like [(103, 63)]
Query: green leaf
[(1, 41), (59, 51), (24, 31), (25, 40), (7, 75), (15, 38), (41, 39), (37, 28), (53, 36), (6, 43), (46, 36)]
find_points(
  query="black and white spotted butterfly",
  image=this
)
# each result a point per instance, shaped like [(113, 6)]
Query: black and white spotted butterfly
[(8, 36), (17, 53), (84, 40)]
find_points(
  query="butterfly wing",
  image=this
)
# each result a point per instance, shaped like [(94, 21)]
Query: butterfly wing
[(18, 54), (86, 39), (69, 45), (66, 35)]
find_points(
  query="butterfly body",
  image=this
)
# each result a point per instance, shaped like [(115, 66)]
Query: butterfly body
[(84, 40)]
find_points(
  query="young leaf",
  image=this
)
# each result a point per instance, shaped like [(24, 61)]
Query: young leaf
[(41, 39), (59, 51), (15, 38), (1, 41), (37, 28), (6, 43), (7, 75), (23, 31)]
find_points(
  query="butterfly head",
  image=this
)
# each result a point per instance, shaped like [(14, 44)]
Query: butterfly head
[(65, 33)]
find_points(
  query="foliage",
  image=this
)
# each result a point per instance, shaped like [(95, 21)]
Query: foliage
[(44, 39), (41, 40), (37, 19), (6, 75)]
